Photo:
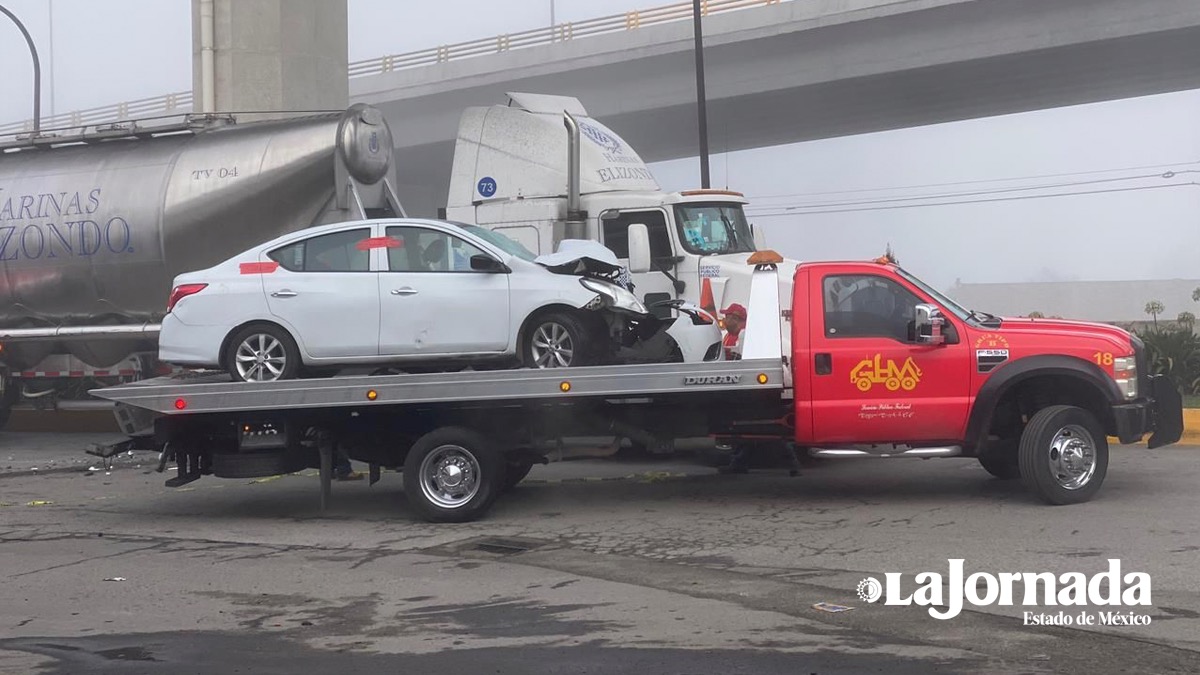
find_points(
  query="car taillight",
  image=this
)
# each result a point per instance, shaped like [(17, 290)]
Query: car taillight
[(182, 291)]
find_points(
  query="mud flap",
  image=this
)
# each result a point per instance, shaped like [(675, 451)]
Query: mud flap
[(1168, 412)]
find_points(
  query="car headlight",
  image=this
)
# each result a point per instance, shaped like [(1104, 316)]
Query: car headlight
[(616, 296), (1126, 375)]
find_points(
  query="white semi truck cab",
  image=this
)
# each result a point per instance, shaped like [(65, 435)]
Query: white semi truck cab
[(541, 170)]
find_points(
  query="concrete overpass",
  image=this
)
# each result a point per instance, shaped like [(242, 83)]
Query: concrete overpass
[(808, 69), (777, 71)]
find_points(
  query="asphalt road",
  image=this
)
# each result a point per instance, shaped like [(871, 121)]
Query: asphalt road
[(645, 567)]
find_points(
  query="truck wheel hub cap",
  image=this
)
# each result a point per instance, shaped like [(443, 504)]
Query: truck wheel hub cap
[(552, 346), (449, 476), (1072, 457)]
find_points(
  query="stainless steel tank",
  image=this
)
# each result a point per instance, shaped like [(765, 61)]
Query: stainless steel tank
[(92, 234)]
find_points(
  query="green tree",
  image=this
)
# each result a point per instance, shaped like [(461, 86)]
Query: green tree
[(1196, 294), (1154, 308), (1186, 319), (1036, 315)]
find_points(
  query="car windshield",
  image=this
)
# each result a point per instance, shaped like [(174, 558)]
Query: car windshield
[(943, 300), (500, 241), (714, 228)]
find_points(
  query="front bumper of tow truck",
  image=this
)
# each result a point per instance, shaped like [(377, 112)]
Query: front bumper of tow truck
[(1160, 415)]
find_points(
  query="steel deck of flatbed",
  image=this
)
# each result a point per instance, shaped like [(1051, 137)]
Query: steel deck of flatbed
[(187, 395)]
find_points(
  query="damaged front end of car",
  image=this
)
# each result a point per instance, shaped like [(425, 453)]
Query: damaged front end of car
[(636, 334)]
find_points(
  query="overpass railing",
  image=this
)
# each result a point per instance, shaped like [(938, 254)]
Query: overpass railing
[(181, 102), (561, 32)]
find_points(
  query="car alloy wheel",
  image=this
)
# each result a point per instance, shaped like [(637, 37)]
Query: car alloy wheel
[(552, 346), (260, 358)]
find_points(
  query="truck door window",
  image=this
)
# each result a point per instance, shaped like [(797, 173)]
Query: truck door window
[(425, 250), (334, 252), (864, 305), (616, 233)]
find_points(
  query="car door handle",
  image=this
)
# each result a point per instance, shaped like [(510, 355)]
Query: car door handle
[(284, 294), (823, 363), (404, 291)]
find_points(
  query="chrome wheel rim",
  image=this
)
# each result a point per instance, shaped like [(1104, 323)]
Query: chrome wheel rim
[(449, 476), (552, 346), (260, 358), (1072, 457)]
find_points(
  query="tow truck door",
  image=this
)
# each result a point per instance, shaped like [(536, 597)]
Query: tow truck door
[(870, 382)]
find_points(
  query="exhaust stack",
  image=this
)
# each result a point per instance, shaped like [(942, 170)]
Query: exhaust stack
[(576, 219)]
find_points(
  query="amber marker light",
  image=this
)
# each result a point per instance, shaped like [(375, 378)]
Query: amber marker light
[(762, 378), (372, 394), (565, 386)]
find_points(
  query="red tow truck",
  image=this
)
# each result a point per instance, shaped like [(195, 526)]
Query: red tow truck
[(880, 365)]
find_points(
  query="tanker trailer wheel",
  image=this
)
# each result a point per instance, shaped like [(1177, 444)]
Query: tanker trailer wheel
[(452, 475), (262, 352), (1063, 455)]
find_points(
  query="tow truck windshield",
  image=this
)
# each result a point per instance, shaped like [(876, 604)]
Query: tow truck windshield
[(713, 228), (969, 315)]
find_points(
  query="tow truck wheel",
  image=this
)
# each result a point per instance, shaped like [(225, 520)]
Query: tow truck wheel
[(1001, 459), (515, 471), (262, 353), (452, 474), (1063, 455)]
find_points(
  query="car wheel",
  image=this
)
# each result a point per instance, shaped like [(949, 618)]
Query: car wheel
[(262, 353), (1063, 455), (452, 475), (556, 340)]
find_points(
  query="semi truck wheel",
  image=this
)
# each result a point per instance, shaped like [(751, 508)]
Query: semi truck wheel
[(1001, 459), (452, 475), (1063, 455), (262, 353)]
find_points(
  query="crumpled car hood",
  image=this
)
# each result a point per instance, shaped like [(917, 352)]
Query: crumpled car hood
[(580, 256)]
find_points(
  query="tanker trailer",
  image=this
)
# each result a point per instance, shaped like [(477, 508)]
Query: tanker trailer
[(96, 223)]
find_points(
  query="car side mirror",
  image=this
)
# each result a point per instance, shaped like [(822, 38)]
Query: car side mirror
[(760, 239), (927, 323), (486, 263), (639, 248)]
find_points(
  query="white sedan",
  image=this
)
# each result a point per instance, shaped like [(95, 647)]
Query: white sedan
[(400, 291)]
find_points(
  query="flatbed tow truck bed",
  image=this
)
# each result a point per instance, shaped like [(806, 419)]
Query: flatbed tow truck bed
[(461, 438), (465, 432)]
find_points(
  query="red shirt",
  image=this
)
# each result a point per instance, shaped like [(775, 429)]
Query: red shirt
[(730, 342)]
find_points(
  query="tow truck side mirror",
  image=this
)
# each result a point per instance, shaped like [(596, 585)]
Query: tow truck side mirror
[(760, 239), (928, 322), (639, 248)]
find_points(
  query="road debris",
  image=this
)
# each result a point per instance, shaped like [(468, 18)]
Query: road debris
[(831, 608)]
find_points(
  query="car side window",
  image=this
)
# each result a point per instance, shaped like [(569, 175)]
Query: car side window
[(616, 233), (419, 249), (333, 252), (863, 305)]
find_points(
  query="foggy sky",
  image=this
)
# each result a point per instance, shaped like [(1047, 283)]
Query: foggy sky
[(105, 51)]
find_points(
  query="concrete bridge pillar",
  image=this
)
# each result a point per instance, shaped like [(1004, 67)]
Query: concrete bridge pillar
[(269, 55)]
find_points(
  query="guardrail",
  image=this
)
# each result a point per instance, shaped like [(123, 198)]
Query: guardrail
[(562, 32), (180, 102)]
